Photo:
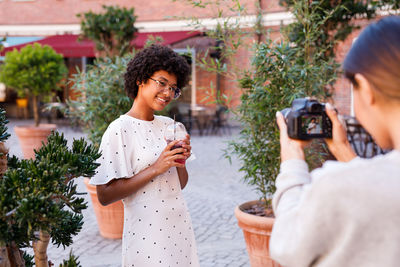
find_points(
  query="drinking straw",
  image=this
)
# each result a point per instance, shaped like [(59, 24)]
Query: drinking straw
[(174, 127)]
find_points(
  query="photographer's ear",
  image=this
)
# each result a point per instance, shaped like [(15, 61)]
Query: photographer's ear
[(364, 90)]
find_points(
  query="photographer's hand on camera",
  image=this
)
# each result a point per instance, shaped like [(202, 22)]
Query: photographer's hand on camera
[(338, 145), (290, 148)]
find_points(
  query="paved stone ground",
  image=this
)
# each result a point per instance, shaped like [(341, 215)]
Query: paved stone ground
[(214, 189)]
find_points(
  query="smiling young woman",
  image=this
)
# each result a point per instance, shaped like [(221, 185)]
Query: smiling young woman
[(154, 95), (139, 167)]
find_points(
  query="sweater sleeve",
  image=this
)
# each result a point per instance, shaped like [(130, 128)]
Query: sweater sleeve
[(297, 231), (289, 184)]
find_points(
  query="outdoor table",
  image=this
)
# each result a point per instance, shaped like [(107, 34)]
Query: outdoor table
[(201, 116)]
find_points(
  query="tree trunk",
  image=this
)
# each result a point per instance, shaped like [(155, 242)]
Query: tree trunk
[(40, 249), (3, 159), (4, 261), (15, 256), (36, 110)]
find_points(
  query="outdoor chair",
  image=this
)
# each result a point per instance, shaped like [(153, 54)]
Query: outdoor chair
[(196, 118), (219, 123), (361, 140)]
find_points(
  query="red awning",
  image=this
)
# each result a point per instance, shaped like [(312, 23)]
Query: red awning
[(69, 46)]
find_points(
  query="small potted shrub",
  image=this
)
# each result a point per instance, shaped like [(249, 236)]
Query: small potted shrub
[(100, 100), (34, 72), (258, 143), (101, 95), (39, 201)]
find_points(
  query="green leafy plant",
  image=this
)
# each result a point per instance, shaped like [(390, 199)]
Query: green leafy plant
[(2, 40), (101, 96), (35, 71), (301, 64), (151, 39), (340, 23), (112, 31), (281, 71), (279, 76), (39, 201), (71, 262)]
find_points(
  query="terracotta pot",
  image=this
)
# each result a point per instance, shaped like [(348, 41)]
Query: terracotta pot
[(256, 231), (110, 218), (31, 137)]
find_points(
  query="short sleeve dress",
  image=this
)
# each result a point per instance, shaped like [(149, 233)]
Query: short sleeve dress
[(157, 225)]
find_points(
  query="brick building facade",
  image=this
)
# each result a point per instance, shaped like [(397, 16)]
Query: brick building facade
[(57, 17)]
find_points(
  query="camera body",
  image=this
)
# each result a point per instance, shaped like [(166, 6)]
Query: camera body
[(307, 119)]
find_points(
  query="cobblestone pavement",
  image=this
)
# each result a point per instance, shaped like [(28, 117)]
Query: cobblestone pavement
[(214, 189)]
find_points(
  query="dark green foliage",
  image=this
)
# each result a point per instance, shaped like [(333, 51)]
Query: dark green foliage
[(71, 225), (29, 260), (112, 31), (3, 128), (41, 194), (102, 96), (340, 22), (80, 158), (71, 262)]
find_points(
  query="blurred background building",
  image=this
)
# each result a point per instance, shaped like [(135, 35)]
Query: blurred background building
[(55, 23)]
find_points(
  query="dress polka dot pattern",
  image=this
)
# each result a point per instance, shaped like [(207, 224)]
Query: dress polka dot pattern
[(157, 225)]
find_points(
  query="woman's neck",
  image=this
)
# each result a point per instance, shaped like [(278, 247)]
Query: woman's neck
[(141, 112), (395, 135), (390, 116)]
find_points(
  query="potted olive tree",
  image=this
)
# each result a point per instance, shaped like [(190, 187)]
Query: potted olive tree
[(100, 100), (279, 75), (35, 72), (39, 201), (101, 96)]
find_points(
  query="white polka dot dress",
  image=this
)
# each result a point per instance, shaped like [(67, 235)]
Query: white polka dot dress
[(157, 226)]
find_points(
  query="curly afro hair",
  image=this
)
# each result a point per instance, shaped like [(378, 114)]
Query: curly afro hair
[(152, 59)]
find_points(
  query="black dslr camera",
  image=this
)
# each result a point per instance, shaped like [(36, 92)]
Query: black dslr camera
[(306, 119)]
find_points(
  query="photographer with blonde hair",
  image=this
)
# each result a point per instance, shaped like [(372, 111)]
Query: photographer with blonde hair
[(347, 213)]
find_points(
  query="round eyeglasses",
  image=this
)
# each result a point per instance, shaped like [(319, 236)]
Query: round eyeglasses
[(162, 86)]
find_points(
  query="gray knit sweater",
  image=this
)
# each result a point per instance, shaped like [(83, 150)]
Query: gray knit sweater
[(343, 214)]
